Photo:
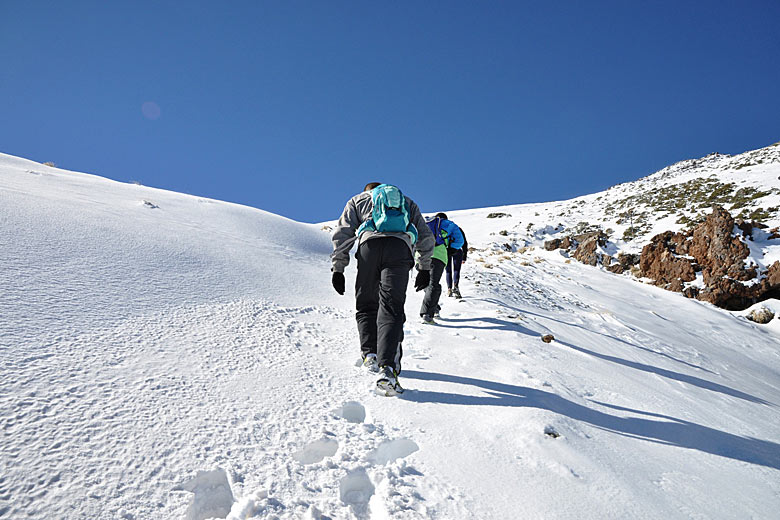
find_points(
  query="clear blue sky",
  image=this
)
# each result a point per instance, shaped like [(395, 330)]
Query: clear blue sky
[(293, 106)]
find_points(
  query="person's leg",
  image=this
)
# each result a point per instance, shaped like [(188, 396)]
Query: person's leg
[(449, 272), (394, 279), (367, 294), (457, 260), (433, 292)]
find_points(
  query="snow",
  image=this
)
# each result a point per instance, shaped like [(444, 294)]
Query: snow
[(190, 360), (763, 250)]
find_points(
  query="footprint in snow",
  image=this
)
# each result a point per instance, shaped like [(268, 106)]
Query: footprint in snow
[(392, 450), (316, 451), (352, 411), (213, 496), (356, 490)]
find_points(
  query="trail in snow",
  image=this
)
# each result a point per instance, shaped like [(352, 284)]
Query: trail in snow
[(120, 417)]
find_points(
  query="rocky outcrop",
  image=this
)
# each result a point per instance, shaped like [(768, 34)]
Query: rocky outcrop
[(712, 256), (665, 261), (625, 261), (718, 251), (583, 247), (587, 248), (672, 260)]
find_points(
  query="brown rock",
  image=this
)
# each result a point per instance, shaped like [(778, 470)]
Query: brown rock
[(730, 294), (717, 250), (675, 285), (552, 245), (547, 338), (748, 227), (661, 262), (745, 227), (773, 275), (627, 260), (761, 315), (771, 284), (584, 237), (587, 247)]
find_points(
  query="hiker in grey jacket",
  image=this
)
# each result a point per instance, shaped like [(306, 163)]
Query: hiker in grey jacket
[(384, 259)]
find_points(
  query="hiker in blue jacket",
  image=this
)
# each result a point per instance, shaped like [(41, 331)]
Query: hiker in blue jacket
[(455, 258), (390, 231), (447, 235)]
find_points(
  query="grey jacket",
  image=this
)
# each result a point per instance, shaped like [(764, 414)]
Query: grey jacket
[(357, 211)]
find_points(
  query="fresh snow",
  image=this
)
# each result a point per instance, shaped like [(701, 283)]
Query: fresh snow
[(170, 356)]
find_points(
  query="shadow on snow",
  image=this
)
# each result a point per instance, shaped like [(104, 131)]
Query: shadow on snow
[(669, 431), (498, 324), (670, 374)]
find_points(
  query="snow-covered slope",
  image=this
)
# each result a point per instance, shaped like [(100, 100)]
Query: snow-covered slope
[(166, 356), (748, 185), (81, 249)]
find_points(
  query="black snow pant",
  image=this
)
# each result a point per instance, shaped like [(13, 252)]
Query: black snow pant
[(430, 302), (453, 267), (383, 266)]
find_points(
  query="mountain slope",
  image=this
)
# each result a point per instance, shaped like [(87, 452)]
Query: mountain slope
[(748, 185), (191, 360)]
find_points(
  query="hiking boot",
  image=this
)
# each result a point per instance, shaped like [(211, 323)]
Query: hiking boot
[(370, 363), (449, 292), (427, 319), (388, 384), (456, 293)]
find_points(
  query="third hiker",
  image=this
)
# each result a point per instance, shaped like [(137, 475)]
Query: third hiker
[(455, 257), (447, 236)]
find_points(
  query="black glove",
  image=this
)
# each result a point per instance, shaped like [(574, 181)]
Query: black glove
[(338, 282), (422, 280)]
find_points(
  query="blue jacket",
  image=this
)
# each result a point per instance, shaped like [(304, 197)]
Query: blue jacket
[(450, 234), (446, 235), (454, 235)]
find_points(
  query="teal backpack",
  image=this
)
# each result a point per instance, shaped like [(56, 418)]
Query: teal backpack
[(390, 212)]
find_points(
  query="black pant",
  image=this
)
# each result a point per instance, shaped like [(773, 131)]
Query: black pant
[(453, 267), (430, 302), (380, 292)]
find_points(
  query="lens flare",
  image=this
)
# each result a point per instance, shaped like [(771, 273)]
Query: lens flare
[(150, 110)]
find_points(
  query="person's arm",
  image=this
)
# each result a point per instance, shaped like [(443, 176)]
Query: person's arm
[(344, 236), (465, 247)]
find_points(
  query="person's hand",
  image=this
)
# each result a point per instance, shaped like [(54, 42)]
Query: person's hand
[(422, 280), (338, 282)]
